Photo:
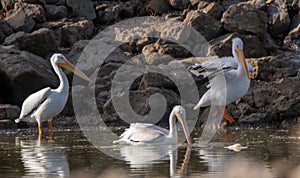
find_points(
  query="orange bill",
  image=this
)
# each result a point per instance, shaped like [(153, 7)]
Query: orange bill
[(241, 56), (185, 129)]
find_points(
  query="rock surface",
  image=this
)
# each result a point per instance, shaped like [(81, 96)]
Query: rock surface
[(31, 30)]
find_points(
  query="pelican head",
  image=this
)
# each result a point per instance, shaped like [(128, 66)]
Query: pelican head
[(237, 50), (61, 61), (180, 114)]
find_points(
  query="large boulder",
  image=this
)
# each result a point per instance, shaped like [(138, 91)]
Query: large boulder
[(40, 42), (279, 20), (208, 26), (82, 8), (23, 73), (253, 47), (244, 18), (72, 32), (20, 21)]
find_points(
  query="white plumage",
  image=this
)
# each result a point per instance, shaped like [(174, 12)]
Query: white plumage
[(47, 103), (144, 134), (236, 74)]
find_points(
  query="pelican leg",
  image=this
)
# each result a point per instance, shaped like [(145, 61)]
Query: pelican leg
[(50, 126), (40, 130), (226, 115)]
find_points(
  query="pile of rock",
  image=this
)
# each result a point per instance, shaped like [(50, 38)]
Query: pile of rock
[(31, 30)]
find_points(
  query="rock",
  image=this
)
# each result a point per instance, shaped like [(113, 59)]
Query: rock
[(202, 5), (179, 4), (253, 47), (20, 21), (293, 4), (208, 26), (227, 3), (258, 4), (269, 43), (278, 16), (44, 37), (56, 12), (172, 49), (8, 4), (6, 124), (23, 73), (244, 18), (8, 111), (109, 15), (214, 9), (82, 8), (72, 32), (5, 30), (158, 7), (292, 40), (139, 101), (35, 11)]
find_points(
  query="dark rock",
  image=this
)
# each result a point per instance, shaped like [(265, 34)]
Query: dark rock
[(214, 9), (56, 12), (172, 49), (109, 15), (208, 26), (227, 3), (278, 16), (269, 43), (158, 7), (23, 73), (82, 8), (258, 4), (44, 37), (253, 47), (179, 4), (72, 32), (244, 18), (7, 124), (8, 111), (292, 40), (35, 11), (5, 30), (20, 21)]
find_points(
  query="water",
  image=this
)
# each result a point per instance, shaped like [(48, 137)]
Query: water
[(70, 154)]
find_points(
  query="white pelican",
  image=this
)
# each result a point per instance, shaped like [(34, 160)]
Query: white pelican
[(47, 103), (149, 134), (236, 74)]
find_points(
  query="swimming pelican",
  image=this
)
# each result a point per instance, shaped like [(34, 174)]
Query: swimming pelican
[(47, 103), (236, 74), (149, 134)]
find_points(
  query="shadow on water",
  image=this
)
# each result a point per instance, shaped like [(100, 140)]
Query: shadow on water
[(270, 153)]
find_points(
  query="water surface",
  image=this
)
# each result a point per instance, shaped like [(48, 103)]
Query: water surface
[(69, 153)]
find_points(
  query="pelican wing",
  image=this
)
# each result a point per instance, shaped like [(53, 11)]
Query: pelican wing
[(214, 67), (140, 132), (33, 101)]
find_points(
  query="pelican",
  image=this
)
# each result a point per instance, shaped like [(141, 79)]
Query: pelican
[(149, 134), (236, 74), (46, 103)]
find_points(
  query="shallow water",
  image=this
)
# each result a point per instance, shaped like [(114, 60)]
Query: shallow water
[(70, 153)]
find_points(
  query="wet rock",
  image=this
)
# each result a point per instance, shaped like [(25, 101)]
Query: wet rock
[(179, 4), (278, 16), (24, 41), (214, 9), (244, 18), (208, 26), (253, 47), (72, 32), (20, 21), (7, 124), (158, 7), (5, 30), (82, 8), (23, 73), (8, 111), (56, 12)]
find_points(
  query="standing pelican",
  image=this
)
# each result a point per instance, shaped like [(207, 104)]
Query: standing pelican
[(144, 134), (47, 103), (236, 74)]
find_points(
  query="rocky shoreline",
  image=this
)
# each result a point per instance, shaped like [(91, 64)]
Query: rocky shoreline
[(32, 30)]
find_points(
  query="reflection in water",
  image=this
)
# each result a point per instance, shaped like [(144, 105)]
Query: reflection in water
[(43, 159), (141, 157)]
